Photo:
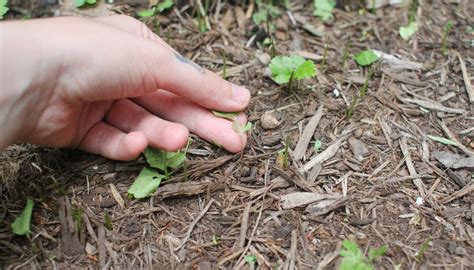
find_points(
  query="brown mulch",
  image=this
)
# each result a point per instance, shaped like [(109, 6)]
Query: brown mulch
[(377, 179)]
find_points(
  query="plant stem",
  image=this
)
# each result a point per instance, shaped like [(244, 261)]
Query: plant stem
[(345, 55), (290, 82), (360, 95), (323, 61)]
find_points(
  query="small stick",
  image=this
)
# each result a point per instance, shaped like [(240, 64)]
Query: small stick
[(193, 224), (467, 80)]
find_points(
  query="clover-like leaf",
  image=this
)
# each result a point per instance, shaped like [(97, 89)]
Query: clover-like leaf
[(21, 225), (284, 67), (407, 31), (366, 58), (146, 183), (306, 70), (324, 9)]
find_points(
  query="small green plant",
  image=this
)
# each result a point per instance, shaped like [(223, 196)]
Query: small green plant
[(410, 29), (322, 66), (3, 8), (250, 259), (446, 29), (81, 3), (216, 240), (366, 58), (160, 162), (286, 69), (266, 11), (407, 31), (77, 217), (154, 10), (203, 21), (21, 225), (361, 94), (354, 259), (317, 145), (421, 253), (107, 221), (232, 116), (282, 155), (324, 9)]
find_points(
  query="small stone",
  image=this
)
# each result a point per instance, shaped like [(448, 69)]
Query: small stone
[(263, 58), (269, 121), (90, 249), (460, 251), (359, 148)]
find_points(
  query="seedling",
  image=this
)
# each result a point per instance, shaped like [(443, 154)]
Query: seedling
[(366, 58), (150, 178), (81, 3), (3, 8), (360, 95), (410, 29), (285, 69), (21, 225), (203, 21), (216, 240), (322, 66), (447, 27), (251, 260), (282, 156), (232, 116), (420, 253), (107, 221), (317, 145), (265, 12), (154, 10), (407, 31), (353, 258), (77, 217), (324, 9)]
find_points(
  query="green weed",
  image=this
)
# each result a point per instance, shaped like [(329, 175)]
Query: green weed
[(354, 259), (287, 69)]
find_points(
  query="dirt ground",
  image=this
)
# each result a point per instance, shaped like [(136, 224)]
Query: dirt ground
[(377, 178)]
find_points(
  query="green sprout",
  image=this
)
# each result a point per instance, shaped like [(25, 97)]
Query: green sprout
[(282, 155), (154, 10), (216, 240), (232, 116), (407, 31), (366, 58), (21, 225), (361, 94), (250, 259), (285, 69), (265, 12), (345, 55), (81, 3), (420, 253), (160, 162), (108, 221), (353, 258), (324, 9), (3, 8), (446, 29)]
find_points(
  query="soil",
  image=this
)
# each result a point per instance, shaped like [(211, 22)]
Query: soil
[(379, 178)]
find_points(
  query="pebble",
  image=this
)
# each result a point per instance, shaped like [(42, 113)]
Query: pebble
[(269, 121), (263, 58)]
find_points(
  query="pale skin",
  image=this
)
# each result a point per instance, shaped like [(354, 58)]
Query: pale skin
[(110, 87)]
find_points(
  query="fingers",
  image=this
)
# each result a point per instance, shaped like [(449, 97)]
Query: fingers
[(209, 90), (110, 142), (128, 117), (198, 120), (138, 62)]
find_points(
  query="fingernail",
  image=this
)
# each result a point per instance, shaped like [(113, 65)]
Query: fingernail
[(240, 94)]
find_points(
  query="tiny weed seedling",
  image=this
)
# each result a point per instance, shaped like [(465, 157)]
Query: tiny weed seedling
[(420, 253), (345, 55), (353, 258), (324, 9), (21, 225), (160, 163), (364, 58), (446, 29), (286, 69), (82, 3), (282, 155), (154, 10), (265, 12), (232, 116), (107, 221), (3, 8), (216, 240), (251, 260), (406, 32)]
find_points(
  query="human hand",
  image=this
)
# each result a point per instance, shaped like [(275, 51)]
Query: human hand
[(110, 87)]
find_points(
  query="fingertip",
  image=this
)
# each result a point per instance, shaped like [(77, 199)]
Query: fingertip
[(176, 137), (134, 144), (241, 96)]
